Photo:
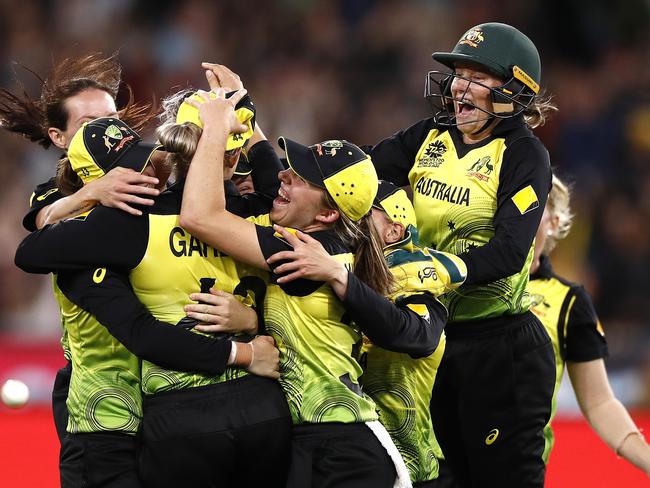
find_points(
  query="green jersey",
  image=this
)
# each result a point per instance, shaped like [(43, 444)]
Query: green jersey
[(104, 392), (319, 348), (400, 384), (482, 202)]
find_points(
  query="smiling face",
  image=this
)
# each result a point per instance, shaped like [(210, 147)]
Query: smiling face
[(87, 105), (298, 204), (470, 90)]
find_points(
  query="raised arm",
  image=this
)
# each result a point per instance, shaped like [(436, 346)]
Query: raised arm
[(261, 155), (203, 212)]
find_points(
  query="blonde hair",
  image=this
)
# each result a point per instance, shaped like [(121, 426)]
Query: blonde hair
[(540, 110), (558, 205), (180, 140)]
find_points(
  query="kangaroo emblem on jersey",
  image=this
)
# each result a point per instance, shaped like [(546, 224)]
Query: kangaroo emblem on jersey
[(481, 169), (432, 157)]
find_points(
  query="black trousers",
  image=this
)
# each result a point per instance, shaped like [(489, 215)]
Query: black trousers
[(491, 400), (232, 434), (337, 455), (426, 484), (99, 460), (59, 399), (445, 477)]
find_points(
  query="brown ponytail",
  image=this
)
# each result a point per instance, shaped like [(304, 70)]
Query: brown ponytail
[(369, 263), (32, 118), (67, 181)]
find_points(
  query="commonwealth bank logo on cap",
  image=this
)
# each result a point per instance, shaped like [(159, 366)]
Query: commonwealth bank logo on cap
[(339, 167), (105, 143), (245, 111), (395, 202)]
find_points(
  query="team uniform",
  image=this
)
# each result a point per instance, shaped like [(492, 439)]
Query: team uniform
[(401, 382), (197, 425), (43, 195), (319, 349), (569, 317), (104, 404), (97, 400), (483, 202)]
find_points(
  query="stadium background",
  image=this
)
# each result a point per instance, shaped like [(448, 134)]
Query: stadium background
[(355, 69)]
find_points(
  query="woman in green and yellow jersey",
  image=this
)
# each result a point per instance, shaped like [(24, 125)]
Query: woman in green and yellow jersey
[(400, 357), (480, 179), (75, 91), (327, 192), (198, 428), (567, 312)]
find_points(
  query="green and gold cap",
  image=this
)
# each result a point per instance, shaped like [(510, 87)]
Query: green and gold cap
[(340, 168), (103, 144), (245, 110), (502, 49), (395, 202)]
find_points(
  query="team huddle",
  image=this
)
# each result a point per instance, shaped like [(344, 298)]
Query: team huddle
[(235, 317)]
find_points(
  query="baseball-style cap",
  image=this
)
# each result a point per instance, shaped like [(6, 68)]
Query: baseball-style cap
[(340, 168), (102, 144), (502, 49), (395, 202), (243, 166), (245, 111)]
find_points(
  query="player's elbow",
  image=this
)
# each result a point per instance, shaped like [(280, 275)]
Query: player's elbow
[(192, 221), (24, 260)]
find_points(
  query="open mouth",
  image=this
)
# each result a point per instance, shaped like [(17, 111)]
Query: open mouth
[(464, 109), (282, 198)]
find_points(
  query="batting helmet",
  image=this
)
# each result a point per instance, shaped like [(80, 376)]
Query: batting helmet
[(503, 51)]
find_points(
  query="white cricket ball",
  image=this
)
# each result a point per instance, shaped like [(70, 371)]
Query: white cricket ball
[(14, 393)]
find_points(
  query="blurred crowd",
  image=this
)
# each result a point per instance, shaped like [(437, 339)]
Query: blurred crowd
[(355, 69)]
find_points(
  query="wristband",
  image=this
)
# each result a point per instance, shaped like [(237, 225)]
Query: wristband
[(233, 353), (620, 446), (252, 354)]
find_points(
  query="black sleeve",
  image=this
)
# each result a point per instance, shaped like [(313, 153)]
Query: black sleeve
[(114, 304), (394, 157), (102, 237), (266, 166), (44, 194), (526, 166), (271, 243), (395, 326), (585, 338)]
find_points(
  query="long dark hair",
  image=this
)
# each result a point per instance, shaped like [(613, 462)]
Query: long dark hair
[(32, 118)]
